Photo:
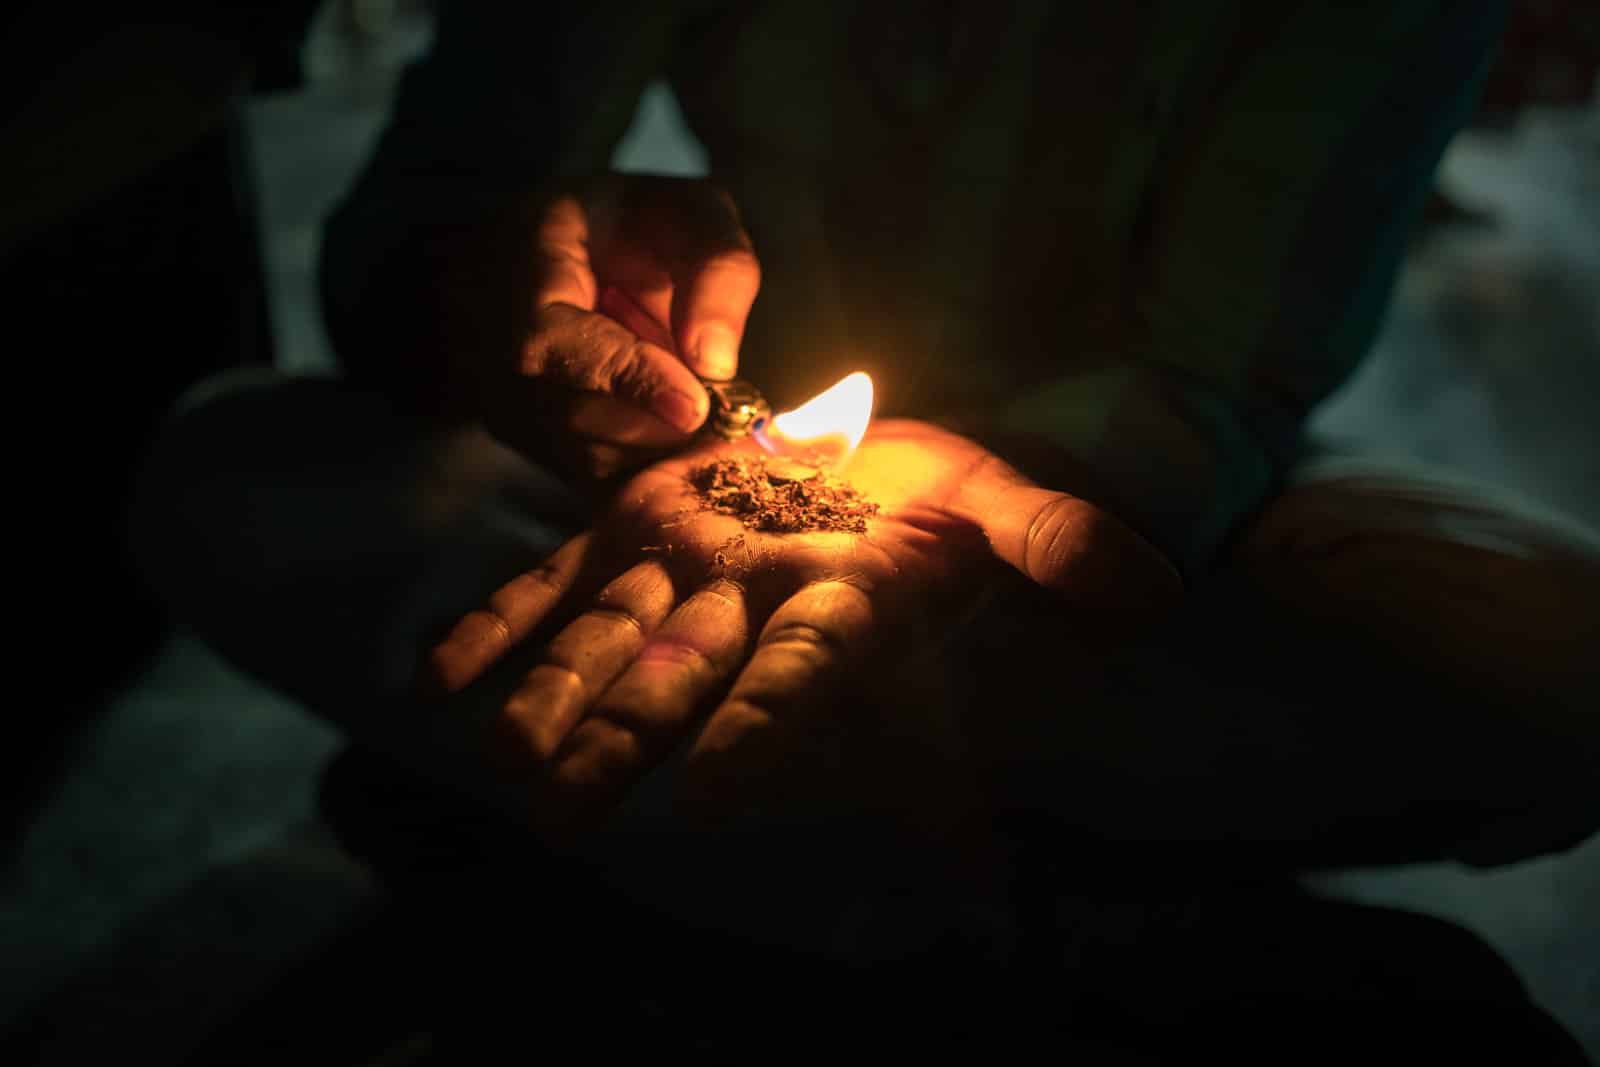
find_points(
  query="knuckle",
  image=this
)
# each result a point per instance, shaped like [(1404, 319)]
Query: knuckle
[(589, 356), (594, 751), (1052, 539), (626, 369), (549, 335), (579, 349), (541, 581), (655, 697), (547, 679), (535, 353), (562, 267), (544, 576), (611, 735), (741, 262), (550, 317), (545, 687), (680, 656), (989, 469), (805, 639), (484, 630), (728, 592), (477, 641), (525, 714), (841, 604), (618, 616)]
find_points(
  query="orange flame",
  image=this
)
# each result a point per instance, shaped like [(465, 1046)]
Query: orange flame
[(826, 427)]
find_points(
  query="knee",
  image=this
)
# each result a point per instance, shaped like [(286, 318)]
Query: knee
[(1491, 595), (167, 534), (187, 491), (252, 481)]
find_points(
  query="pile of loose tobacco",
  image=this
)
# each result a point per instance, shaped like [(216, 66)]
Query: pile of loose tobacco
[(781, 496)]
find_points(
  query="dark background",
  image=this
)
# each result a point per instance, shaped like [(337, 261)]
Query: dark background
[(172, 863)]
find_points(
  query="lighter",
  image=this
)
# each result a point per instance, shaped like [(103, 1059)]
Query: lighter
[(737, 408)]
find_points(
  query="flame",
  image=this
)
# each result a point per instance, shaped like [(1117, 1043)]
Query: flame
[(828, 426)]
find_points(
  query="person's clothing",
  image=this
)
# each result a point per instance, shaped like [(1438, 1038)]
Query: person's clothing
[(483, 942), (131, 266), (1382, 670), (1128, 959), (101, 109), (1154, 234)]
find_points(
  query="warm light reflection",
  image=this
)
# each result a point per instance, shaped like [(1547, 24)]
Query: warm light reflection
[(826, 427)]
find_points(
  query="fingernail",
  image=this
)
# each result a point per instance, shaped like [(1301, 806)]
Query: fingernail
[(682, 410), (717, 354)]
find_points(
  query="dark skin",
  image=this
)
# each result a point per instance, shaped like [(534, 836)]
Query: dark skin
[(652, 640), (642, 286), (638, 283), (664, 629)]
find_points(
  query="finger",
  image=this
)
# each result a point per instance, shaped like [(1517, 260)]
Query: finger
[(483, 636), (637, 285), (711, 303), (683, 241), (600, 353), (598, 417), (802, 654), (592, 353), (639, 315), (583, 659), (565, 275), (1068, 544), (642, 717)]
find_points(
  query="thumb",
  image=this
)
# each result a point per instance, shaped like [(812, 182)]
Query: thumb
[(710, 305), (1070, 545)]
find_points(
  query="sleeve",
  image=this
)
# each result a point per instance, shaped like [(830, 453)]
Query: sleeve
[(426, 262), (1270, 237)]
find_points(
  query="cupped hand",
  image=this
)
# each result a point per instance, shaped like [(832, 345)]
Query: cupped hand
[(642, 287), (669, 625)]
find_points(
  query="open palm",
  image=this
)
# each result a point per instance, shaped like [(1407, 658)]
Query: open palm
[(669, 624)]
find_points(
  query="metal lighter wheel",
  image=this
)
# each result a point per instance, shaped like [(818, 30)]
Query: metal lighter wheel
[(737, 408)]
